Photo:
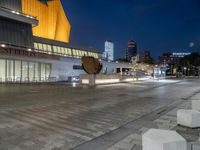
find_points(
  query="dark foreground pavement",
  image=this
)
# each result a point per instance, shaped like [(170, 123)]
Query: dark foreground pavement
[(58, 116)]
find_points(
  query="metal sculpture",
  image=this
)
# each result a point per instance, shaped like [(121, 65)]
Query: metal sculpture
[(91, 65)]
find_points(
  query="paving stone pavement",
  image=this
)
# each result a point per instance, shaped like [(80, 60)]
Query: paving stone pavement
[(57, 117), (167, 122)]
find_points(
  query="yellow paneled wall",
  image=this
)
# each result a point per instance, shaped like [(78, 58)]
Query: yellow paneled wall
[(53, 23)]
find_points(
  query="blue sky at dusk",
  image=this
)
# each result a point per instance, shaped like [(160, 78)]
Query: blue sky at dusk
[(156, 25)]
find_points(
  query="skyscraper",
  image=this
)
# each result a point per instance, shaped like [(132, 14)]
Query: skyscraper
[(145, 57), (109, 51), (131, 51)]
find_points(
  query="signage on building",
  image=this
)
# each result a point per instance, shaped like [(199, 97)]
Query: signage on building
[(180, 54), (17, 52)]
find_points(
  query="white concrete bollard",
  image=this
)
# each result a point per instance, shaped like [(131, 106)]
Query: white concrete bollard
[(156, 139), (188, 118), (196, 105)]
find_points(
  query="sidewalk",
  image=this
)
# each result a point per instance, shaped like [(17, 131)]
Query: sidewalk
[(169, 122), (129, 136)]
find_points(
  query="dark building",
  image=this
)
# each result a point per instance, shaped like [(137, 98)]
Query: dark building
[(171, 61), (145, 57), (166, 57), (173, 58), (15, 28), (131, 51)]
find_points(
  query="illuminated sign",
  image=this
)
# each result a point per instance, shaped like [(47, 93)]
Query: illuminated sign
[(180, 54)]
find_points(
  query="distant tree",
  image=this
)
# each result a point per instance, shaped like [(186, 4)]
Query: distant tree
[(191, 60), (121, 59), (149, 61), (191, 64)]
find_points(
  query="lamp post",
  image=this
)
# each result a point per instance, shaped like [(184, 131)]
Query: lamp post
[(185, 68)]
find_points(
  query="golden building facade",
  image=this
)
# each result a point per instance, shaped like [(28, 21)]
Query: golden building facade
[(53, 23)]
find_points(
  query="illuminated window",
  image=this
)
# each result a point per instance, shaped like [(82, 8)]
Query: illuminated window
[(62, 50), (36, 45), (65, 52), (69, 52), (83, 53), (79, 53), (59, 50), (49, 48), (40, 46), (74, 52), (44, 47), (55, 49)]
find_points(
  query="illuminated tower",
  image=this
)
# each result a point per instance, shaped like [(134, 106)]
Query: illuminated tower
[(131, 51), (109, 51)]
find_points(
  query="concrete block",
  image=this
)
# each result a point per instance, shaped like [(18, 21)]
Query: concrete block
[(196, 105), (156, 139), (188, 118)]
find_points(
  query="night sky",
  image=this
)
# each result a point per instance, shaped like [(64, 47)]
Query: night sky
[(156, 25)]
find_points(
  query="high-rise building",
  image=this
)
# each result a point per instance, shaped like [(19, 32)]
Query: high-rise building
[(131, 50), (145, 57), (109, 51)]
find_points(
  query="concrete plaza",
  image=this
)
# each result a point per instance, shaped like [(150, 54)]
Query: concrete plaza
[(108, 117)]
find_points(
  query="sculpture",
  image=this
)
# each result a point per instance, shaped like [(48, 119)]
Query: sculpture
[(91, 65)]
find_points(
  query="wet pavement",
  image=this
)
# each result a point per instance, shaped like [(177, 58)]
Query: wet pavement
[(61, 116)]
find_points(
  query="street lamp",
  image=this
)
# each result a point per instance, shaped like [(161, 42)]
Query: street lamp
[(3, 45), (185, 68)]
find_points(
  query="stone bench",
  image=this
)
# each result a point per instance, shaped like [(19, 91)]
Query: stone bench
[(196, 105), (155, 139), (188, 118)]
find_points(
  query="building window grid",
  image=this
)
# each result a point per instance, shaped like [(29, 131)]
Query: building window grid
[(21, 72), (63, 51)]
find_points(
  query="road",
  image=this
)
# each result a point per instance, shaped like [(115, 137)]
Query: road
[(61, 117)]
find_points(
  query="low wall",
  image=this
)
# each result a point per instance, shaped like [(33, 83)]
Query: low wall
[(104, 79)]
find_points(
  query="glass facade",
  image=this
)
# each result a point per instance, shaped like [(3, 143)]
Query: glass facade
[(24, 71), (63, 51)]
